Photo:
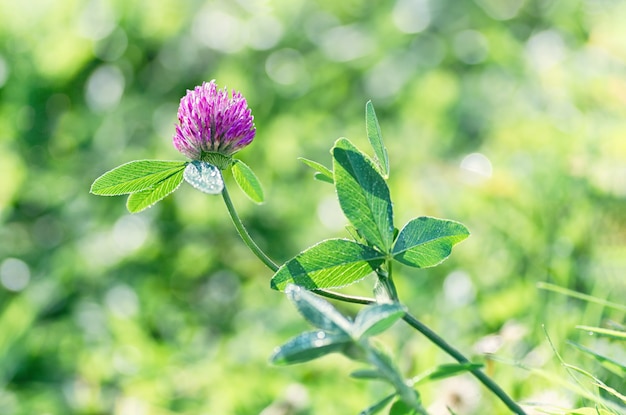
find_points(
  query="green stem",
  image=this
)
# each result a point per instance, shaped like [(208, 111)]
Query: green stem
[(459, 357), (244, 233), (385, 276), (345, 298)]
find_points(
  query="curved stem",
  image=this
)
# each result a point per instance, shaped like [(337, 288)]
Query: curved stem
[(408, 318), (247, 239), (459, 357), (345, 298)]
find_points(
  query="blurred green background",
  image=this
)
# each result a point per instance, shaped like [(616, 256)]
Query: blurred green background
[(506, 115)]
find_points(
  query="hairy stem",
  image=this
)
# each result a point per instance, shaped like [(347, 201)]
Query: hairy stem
[(241, 229)]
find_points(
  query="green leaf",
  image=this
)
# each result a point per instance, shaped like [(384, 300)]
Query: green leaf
[(376, 139), (323, 172), (425, 241), (308, 346), (400, 407), (135, 176), (378, 406), (144, 199), (323, 178), (363, 194), (388, 370), (247, 181), (318, 311), (445, 371), (367, 374), (376, 318), (331, 263)]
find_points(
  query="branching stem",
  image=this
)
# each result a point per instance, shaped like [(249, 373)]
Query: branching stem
[(386, 278)]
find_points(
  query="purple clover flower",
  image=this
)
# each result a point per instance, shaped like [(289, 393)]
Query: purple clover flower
[(209, 121)]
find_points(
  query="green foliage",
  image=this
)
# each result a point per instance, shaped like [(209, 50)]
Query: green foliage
[(308, 346), (376, 318), (339, 334), (317, 311), (445, 371), (135, 176), (328, 264), (143, 199), (363, 194), (84, 89), (323, 173), (426, 242), (378, 406), (376, 139), (247, 181)]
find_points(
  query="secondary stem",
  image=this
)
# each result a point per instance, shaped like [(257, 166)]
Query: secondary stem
[(386, 277), (459, 357)]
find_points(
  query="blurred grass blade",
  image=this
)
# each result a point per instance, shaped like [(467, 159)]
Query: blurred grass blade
[(247, 181), (611, 365), (378, 406), (323, 172), (363, 194), (375, 137), (614, 334), (585, 297), (144, 199), (376, 318), (318, 311), (331, 263), (135, 176), (308, 346), (425, 241)]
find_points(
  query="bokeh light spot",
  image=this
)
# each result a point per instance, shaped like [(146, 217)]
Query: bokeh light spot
[(4, 71), (122, 301), (411, 16), (285, 66), (218, 30), (14, 274), (476, 167), (458, 289), (471, 47), (346, 43), (264, 32), (104, 88)]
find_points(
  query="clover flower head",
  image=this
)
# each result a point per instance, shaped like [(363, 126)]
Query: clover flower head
[(209, 121)]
